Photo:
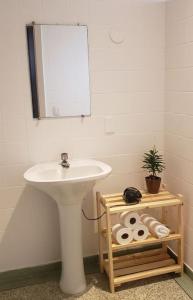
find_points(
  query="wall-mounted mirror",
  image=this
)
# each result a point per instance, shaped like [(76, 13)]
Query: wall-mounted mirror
[(59, 70)]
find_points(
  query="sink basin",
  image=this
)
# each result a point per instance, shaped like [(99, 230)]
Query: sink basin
[(80, 170), (68, 187)]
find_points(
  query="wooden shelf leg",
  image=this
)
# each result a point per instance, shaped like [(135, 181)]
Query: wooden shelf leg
[(100, 238), (164, 221), (110, 253), (181, 231)]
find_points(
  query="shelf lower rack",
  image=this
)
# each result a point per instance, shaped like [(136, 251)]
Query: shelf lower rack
[(150, 273), (141, 265)]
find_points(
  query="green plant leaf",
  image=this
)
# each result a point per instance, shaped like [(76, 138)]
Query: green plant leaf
[(153, 162)]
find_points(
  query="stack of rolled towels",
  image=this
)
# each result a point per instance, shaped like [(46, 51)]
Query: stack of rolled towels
[(156, 228), (132, 226)]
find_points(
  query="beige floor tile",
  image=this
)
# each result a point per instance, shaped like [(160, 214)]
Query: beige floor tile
[(160, 288)]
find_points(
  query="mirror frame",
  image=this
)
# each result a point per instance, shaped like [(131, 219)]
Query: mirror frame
[(30, 31), (32, 69)]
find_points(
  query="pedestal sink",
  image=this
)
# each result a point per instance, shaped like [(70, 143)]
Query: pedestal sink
[(68, 187)]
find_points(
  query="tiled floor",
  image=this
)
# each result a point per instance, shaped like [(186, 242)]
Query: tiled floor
[(159, 288)]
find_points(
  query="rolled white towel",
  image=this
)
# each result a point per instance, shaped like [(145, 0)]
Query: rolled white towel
[(158, 229), (155, 228), (143, 216), (147, 220)]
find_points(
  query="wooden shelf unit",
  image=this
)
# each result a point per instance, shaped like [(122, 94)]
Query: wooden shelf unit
[(125, 268)]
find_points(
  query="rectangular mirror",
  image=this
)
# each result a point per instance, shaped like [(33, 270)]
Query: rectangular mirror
[(59, 70)]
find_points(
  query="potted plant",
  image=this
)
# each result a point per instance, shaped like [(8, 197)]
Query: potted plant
[(154, 164)]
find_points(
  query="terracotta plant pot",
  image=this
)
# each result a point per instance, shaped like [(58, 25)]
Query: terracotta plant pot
[(153, 184)]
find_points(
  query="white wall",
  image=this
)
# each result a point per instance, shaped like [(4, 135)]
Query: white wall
[(127, 84), (179, 109)]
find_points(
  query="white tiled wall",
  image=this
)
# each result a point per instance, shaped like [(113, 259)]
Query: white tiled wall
[(179, 109), (127, 85)]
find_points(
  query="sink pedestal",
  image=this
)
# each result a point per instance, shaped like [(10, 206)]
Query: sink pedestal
[(72, 278), (68, 187)]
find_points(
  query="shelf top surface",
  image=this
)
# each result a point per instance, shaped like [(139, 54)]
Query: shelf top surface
[(115, 202)]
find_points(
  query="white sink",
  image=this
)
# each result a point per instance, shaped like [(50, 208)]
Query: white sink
[(68, 187)]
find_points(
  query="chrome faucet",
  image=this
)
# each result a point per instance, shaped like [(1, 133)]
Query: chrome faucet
[(64, 158)]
